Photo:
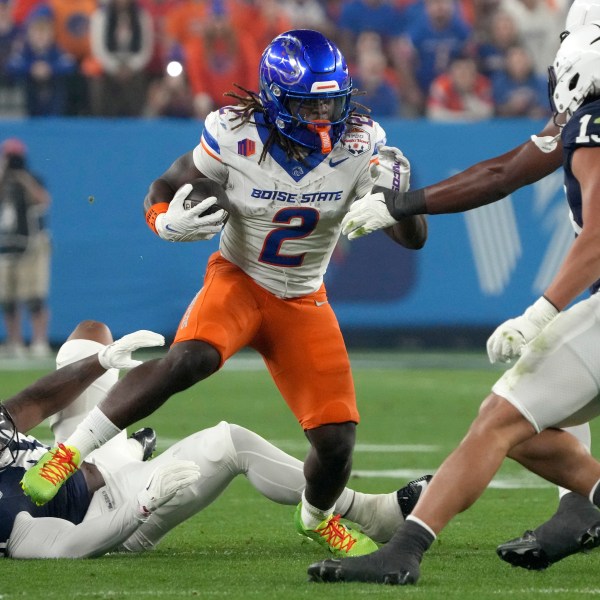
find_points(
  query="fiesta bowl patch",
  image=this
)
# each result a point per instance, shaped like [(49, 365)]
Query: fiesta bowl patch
[(356, 140)]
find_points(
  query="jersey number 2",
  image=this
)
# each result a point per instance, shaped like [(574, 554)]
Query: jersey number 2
[(270, 254)]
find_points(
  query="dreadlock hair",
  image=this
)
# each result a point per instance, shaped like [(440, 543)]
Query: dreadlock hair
[(250, 103)]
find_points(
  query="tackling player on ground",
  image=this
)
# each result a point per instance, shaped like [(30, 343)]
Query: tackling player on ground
[(555, 381), (292, 159), (117, 501), (567, 531)]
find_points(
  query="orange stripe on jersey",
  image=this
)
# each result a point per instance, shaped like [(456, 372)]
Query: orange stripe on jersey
[(209, 151)]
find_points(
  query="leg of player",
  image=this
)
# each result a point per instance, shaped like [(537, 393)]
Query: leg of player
[(226, 451), (324, 404), (458, 483), (148, 386), (89, 337), (327, 470), (280, 478), (574, 527), (132, 398)]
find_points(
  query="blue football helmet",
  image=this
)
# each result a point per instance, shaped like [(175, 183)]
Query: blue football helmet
[(305, 88)]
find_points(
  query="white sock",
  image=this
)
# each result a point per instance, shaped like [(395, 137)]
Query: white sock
[(344, 503), (311, 515), (378, 515), (96, 429)]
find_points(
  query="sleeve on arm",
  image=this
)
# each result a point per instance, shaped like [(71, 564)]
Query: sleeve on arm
[(48, 537), (364, 182), (207, 154)]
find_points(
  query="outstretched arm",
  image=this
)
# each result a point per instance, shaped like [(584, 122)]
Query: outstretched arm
[(48, 537), (493, 179), (52, 393), (55, 391), (483, 183)]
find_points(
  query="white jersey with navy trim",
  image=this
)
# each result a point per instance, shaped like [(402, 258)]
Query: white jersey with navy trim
[(285, 216)]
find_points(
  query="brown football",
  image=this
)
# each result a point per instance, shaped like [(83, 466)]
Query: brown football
[(203, 188)]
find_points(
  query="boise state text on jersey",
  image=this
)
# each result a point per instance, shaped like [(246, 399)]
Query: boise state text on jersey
[(292, 198), (285, 217)]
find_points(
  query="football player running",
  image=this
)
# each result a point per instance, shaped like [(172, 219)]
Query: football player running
[(116, 501), (566, 532), (555, 381), (292, 159)]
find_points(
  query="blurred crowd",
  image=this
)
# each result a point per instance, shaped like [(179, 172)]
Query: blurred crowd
[(450, 60)]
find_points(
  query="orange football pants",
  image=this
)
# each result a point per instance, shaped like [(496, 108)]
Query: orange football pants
[(299, 339)]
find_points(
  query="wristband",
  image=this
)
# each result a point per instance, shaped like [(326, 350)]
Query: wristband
[(403, 204), (153, 212)]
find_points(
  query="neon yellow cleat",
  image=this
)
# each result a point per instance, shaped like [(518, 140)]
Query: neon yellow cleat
[(338, 538), (42, 482)]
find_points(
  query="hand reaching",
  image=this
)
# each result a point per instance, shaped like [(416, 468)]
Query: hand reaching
[(367, 214), (118, 354), (165, 482)]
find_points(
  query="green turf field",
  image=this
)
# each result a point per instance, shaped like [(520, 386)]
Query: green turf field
[(414, 412)]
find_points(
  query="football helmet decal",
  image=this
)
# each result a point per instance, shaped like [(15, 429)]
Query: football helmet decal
[(305, 88)]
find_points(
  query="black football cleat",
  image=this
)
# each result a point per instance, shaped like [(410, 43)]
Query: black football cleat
[(525, 552), (363, 569), (591, 538), (396, 563), (575, 527), (146, 437), (409, 495)]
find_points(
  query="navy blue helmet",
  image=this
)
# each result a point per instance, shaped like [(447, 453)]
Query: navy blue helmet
[(305, 88)]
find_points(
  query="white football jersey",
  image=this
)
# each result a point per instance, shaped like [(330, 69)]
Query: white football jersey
[(285, 216)]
